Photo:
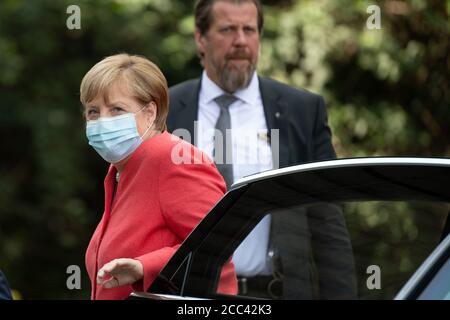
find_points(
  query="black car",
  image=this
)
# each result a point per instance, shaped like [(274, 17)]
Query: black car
[(394, 213)]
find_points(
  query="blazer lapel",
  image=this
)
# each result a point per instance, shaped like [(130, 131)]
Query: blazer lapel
[(276, 114)]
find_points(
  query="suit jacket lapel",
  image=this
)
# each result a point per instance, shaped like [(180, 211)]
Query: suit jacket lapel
[(276, 114), (187, 115)]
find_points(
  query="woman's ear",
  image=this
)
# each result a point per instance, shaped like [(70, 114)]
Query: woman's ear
[(151, 111)]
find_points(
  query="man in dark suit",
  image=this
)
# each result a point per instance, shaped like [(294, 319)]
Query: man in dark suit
[(253, 117), (5, 292)]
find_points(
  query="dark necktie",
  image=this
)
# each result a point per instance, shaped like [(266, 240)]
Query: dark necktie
[(223, 147)]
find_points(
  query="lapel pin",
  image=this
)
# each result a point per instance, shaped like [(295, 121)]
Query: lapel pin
[(263, 136)]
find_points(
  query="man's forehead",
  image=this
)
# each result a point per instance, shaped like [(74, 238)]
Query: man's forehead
[(230, 12)]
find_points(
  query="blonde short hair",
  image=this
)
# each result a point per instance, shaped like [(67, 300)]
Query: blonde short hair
[(144, 79)]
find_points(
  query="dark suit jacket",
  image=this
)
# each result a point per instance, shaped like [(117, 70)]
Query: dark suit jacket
[(5, 293), (304, 136)]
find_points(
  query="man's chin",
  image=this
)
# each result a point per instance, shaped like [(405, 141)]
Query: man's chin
[(241, 65), (243, 70)]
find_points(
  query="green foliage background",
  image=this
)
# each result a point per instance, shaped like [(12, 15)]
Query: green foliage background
[(387, 93)]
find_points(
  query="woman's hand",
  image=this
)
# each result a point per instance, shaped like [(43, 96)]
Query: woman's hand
[(120, 272)]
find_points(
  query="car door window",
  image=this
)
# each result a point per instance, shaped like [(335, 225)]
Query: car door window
[(350, 250)]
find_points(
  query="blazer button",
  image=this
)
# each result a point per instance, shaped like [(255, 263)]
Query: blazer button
[(277, 115)]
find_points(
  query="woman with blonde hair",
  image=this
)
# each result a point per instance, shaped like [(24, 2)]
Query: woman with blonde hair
[(151, 201)]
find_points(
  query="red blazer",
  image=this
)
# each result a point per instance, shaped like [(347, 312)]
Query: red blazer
[(156, 205)]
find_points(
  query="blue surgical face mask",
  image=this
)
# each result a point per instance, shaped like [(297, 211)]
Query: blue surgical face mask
[(114, 138)]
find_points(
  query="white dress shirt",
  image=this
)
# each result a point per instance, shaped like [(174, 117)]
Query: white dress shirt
[(251, 154)]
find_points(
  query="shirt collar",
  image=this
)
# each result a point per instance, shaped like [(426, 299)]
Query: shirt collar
[(211, 90)]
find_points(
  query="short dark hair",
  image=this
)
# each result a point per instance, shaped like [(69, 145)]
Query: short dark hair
[(203, 10)]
